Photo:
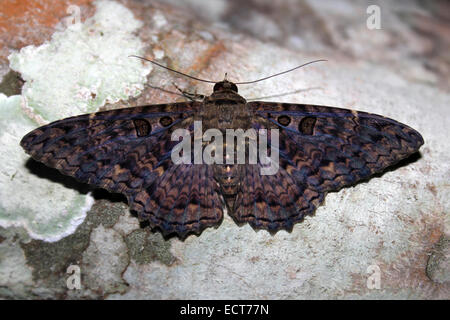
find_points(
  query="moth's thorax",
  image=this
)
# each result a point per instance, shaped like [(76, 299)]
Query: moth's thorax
[(226, 96), (225, 109)]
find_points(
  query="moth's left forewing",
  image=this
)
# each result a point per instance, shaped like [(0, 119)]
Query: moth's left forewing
[(329, 148), (129, 151), (117, 150)]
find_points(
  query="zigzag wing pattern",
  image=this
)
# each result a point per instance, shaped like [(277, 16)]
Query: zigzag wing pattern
[(321, 149), (128, 151)]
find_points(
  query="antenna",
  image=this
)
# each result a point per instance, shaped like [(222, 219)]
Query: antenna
[(176, 71), (210, 81), (280, 73)]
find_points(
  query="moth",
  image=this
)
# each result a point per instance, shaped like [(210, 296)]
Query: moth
[(320, 149)]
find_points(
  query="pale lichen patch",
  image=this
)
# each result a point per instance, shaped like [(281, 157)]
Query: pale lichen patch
[(44, 207), (85, 58)]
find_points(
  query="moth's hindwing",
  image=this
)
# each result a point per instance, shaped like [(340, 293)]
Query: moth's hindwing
[(321, 149)]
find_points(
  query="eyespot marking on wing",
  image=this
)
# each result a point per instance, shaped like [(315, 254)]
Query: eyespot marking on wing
[(306, 125), (284, 120), (166, 121), (143, 127)]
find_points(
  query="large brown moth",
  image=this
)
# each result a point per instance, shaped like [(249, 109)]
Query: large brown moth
[(128, 151)]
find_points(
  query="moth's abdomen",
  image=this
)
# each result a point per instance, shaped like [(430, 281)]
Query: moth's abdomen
[(228, 177)]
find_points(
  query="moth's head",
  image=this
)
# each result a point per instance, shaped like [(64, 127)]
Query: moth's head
[(225, 85)]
